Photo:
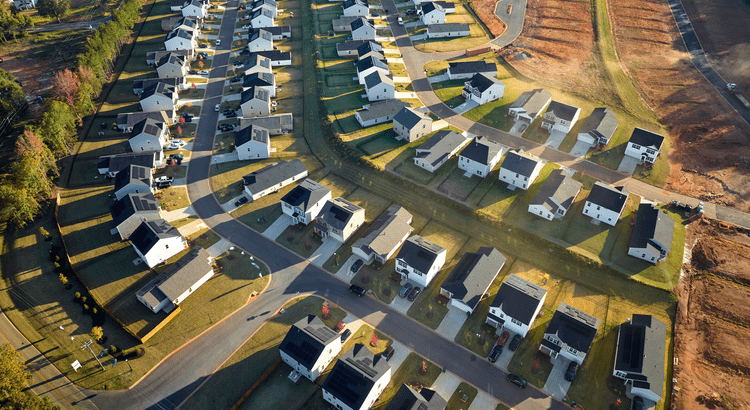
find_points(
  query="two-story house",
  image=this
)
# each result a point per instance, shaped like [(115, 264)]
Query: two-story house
[(569, 334), (370, 49), (276, 124), (128, 212), (431, 13), (411, 124), (256, 63), (266, 81), (640, 357), (560, 117), (407, 398), (652, 234), (309, 347), (159, 97), (304, 203), (178, 281), (350, 48), (419, 260), (252, 142), (555, 196), (516, 305), (268, 5), (259, 39), (156, 241), (527, 107), (367, 66), (134, 179), (520, 169), (355, 8), (605, 203), (173, 66), (599, 127), (644, 145), (149, 135), (255, 102), (195, 8), (379, 86), (181, 39), (482, 89), (386, 234), (438, 149), (470, 279), (356, 380), (339, 219), (480, 156), (126, 121), (362, 29), (273, 177), (379, 112), (261, 17), (111, 165)]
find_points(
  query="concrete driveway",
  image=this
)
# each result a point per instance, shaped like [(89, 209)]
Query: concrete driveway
[(345, 271), (325, 251), (452, 322), (556, 385), (278, 226), (580, 149), (516, 129), (468, 105), (446, 384), (555, 138), (438, 78), (483, 401), (628, 164), (400, 304), (400, 352)]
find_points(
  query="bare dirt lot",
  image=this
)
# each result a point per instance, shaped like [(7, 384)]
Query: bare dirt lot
[(485, 10), (713, 323)]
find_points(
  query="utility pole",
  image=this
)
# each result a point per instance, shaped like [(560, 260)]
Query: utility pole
[(87, 345)]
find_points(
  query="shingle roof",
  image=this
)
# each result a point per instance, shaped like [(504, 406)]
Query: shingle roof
[(172, 58), (306, 194), (380, 109), (254, 132), (259, 33), (407, 398), (255, 93), (520, 162), (119, 162), (519, 298), (258, 79), (409, 117), (337, 213), (385, 232), (368, 47), (307, 339), (447, 27), (184, 273), (429, 7), (181, 33), (350, 3), (256, 59), (260, 12), (473, 275), (274, 55), (652, 226), (147, 82), (148, 233), (465, 67), (148, 126), (482, 82), (345, 22), (278, 30), (273, 174), (532, 101), (355, 44), (377, 77), (128, 120), (359, 23), (641, 348), (354, 375), (133, 174), (131, 204), (160, 88), (601, 122), (273, 123), (573, 327), (419, 253), (607, 196), (439, 146), (563, 111), (369, 62), (559, 186), (646, 138), (482, 150)]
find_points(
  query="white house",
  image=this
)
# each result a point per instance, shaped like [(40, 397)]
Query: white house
[(149, 135), (178, 281), (411, 124), (555, 196), (599, 127), (259, 39), (379, 112), (256, 63), (344, 23), (367, 66), (351, 47), (304, 203), (188, 23), (483, 89), (266, 81), (277, 124), (529, 105), (173, 66), (516, 305), (279, 33), (126, 121), (181, 39), (156, 241), (261, 17), (569, 334), (419, 260), (407, 398), (362, 29), (252, 142), (111, 165), (640, 357), (520, 169), (386, 234), (255, 101), (560, 117), (480, 156), (339, 219), (273, 177), (652, 234), (22, 5), (355, 8), (269, 5), (446, 30), (177, 83), (134, 179), (379, 86), (431, 13), (644, 145), (471, 278), (278, 58), (128, 212), (309, 347), (369, 48), (159, 97), (357, 379), (464, 70), (438, 149), (195, 8), (605, 203)]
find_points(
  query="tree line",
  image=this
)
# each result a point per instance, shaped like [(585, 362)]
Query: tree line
[(30, 178), (14, 381)]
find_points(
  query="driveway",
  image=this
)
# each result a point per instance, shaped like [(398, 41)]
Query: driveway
[(324, 251), (228, 157), (516, 129), (483, 401), (400, 352), (452, 322), (628, 164), (555, 138), (278, 226), (580, 149), (446, 384), (556, 385), (345, 271), (467, 106), (400, 304)]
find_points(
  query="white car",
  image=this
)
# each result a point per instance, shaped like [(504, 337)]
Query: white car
[(163, 179), (246, 27), (218, 43), (178, 142), (172, 146), (217, 108), (203, 72), (274, 104)]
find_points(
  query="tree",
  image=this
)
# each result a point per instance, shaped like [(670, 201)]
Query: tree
[(11, 94), (97, 333), (325, 312), (66, 84), (19, 207), (374, 340), (14, 379), (58, 127), (56, 8), (64, 280)]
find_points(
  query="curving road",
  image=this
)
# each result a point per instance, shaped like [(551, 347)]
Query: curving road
[(513, 22)]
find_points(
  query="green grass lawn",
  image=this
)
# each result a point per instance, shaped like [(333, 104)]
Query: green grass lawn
[(410, 372), (173, 198), (462, 398), (383, 280), (300, 239)]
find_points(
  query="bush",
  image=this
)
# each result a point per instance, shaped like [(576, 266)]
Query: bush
[(77, 297), (86, 308), (84, 299), (113, 349)]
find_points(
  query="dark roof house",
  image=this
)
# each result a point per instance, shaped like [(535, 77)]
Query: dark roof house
[(471, 277), (354, 376), (641, 351), (407, 398)]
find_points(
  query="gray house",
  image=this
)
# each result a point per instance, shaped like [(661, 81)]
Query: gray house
[(362, 29), (529, 105), (351, 47), (276, 124), (386, 234), (555, 196), (344, 23), (464, 70), (438, 149), (134, 179), (379, 86), (599, 127), (273, 177), (640, 356), (652, 234), (411, 124), (339, 219), (471, 278), (379, 112), (133, 209), (569, 334), (445, 30), (178, 281)]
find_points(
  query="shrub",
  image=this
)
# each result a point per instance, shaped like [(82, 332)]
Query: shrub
[(43, 232), (85, 308), (113, 349), (84, 299), (77, 297)]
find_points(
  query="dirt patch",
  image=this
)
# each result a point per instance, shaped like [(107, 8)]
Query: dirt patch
[(485, 10)]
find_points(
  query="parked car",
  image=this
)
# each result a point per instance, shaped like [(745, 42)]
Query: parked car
[(375, 14), (274, 104), (241, 201), (246, 17), (227, 111), (357, 264), (235, 80), (178, 157), (203, 54), (163, 185), (218, 43), (103, 125), (514, 343), (202, 45), (172, 147), (345, 335), (570, 374), (405, 289), (357, 290), (517, 380), (163, 179), (204, 72), (246, 27), (414, 293), (495, 353), (388, 353), (178, 142), (217, 108), (193, 72), (231, 115), (339, 326), (503, 338), (225, 127), (188, 119)]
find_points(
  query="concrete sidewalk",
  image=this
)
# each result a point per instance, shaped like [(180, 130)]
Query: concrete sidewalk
[(177, 214)]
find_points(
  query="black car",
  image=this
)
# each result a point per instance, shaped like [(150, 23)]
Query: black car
[(242, 200), (495, 353), (405, 289), (414, 293), (163, 185), (345, 335), (517, 380), (103, 125), (570, 374), (356, 265), (225, 127), (231, 115), (193, 72), (202, 45), (357, 290), (188, 119), (235, 79), (203, 54), (514, 343), (178, 157)]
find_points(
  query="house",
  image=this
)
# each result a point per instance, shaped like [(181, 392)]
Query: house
[(339, 219), (599, 127), (278, 58), (355, 8), (195, 8), (411, 124), (407, 398), (255, 101), (149, 135), (351, 47), (640, 357), (173, 66), (516, 305), (555, 196), (257, 64), (448, 30), (22, 5), (379, 86), (268, 5), (188, 23), (367, 66), (178, 83), (431, 13), (110, 165), (273, 177), (362, 29), (357, 379), (379, 112), (181, 39), (176, 5), (569, 334), (261, 17), (560, 117), (277, 124), (159, 97), (419, 260), (480, 156), (279, 33), (464, 70), (309, 347), (529, 105), (259, 39), (606, 203), (386, 234), (153, 57), (252, 142), (471, 278), (126, 121), (652, 234), (344, 23), (266, 81), (133, 180), (131, 210), (520, 169), (178, 281), (305, 201), (370, 49), (438, 149), (156, 241), (483, 89), (644, 145)]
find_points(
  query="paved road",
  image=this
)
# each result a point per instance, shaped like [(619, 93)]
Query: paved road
[(513, 22), (81, 25)]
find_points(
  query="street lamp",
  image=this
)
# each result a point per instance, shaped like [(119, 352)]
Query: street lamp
[(129, 367)]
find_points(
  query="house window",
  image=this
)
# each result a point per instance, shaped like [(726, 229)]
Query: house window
[(517, 322), (636, 146), (479, 173), (643, 256)]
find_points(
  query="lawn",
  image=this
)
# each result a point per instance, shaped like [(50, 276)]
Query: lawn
[(383, 280), (173, 198), (226, 178), (462, 397), (300, 239), (410, 372)]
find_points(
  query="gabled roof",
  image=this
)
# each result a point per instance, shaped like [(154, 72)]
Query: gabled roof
[(652, 225), (181, 33), (278, 30), (482, 150), (128, 120), (337, 213), (259, 33), (161, 88), (602, 122), (255, 59), (149, 126), (195, 3), (351, 3), (258, 79), (359, 23), (473, 274), (255, 93), (368, 46), (573, 327), (260, 12), (259, 3), (369, 62), (447, 27), (306, 194), (148, 233), (274, 55), (419, 253), (354, 375), (355, 44), (191, 22), (134, 174), (520, 162), (519, 298), (252, 133), (155, 56), (607, 196), (377, 77), (646, 138), (641, 349), (562, 111), (119, 162), (380, 109), (172, 58), (386, 231), (439, 146), (410, 117), (132, 204), (465, 67), (430, 6), (181, 275), (273, 174), (307, 339), (482, 82), (559, 186), (532, 101), (275, 122), (407, 398)]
